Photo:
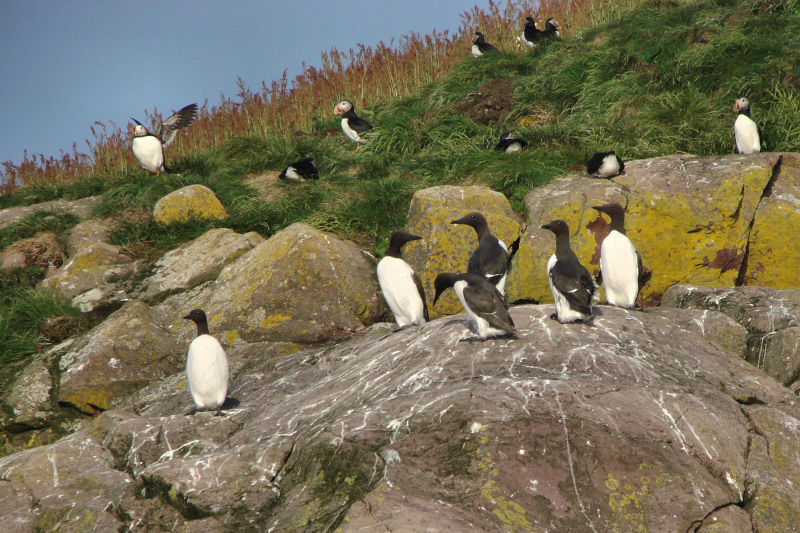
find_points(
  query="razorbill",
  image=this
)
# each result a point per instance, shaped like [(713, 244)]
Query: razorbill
[(572, 286), (509, 144), (352, 125), (529, 34), (745, 129), (400, 286), (149, 147), (480, 46), (605, 165), (619, 264), (482, 303), (300, 171), (206, 367), (490, 258)]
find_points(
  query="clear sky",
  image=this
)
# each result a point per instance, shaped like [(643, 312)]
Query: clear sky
[(66, 64)]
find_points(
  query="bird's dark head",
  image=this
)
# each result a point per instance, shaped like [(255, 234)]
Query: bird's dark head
[(473, 219), (197, 316), (613, 209), (559, 227), (442, 283), (530, 19), (399, 238), (478, 37)]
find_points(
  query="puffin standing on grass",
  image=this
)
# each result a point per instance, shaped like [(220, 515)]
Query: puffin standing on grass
[(300, 171), (149, 147), (490, 258), (551, 29), (745, 129), (480, 46), (206, 367), (352, 125), (510, 144), (572, 287), (482, 303), (605, 165), (619, 264), (530, 33), (400, 286)]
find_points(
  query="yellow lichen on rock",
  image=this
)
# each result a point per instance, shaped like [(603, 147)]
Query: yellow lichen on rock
[(190, 202)]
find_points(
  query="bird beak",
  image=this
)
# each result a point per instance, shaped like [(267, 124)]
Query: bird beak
[(337, 110), (546, 226), (736, 106), (187, 317), (598, 207)]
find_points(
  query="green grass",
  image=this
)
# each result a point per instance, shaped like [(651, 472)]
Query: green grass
[(56, 221)]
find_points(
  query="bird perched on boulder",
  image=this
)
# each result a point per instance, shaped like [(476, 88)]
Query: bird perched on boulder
[(352, 125), (619, 263), (490, 258), (300, 171), (149, 147), (572, 287), (206, 367), (745, 129), (605, 165), (400, 286), (482, 303), (480, 46), (510, 144)]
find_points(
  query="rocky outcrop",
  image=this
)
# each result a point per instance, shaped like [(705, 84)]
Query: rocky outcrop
[(190, 202), (82, 208), (85, 234), (29, 401)]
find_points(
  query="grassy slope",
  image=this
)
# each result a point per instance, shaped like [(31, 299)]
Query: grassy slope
[(660, 80)]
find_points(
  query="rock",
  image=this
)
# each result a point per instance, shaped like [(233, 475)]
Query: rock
[(29, 400), (82, 208), (715, 327), (123, 354), (86, 233), (43, 250), (192, 201), (196, 262), (770, 316), (493, 101), (446, 247)]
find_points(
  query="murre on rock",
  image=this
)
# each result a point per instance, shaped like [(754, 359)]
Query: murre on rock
[(302, 170), (206, 367), (572, 287), (510, 144), (482, 302), (149, 147), (745, 130), (490, 258), (605, 165), (619, 264), (480, 46), (352, 125), (400, 286)]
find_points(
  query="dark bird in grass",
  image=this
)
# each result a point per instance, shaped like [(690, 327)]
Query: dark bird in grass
[(352, 125), (605, 165), (480, 46), (400, 285), (529, 34), (510, 144), (149, 147), (482, 303), (572, 287), (206, 367), (300, 171), (745, 130), (551, 29), (490, 259)]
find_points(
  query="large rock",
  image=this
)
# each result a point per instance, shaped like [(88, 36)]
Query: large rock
[(29, 398), (190, 202), (85, 234), (632, 424), (446, 247), (689, 217), (82, 208), (196, 262)]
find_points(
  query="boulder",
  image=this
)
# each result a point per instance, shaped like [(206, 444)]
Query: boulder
[(29, 399), (86, 233), (190, 202), (82, 208), (446, 247), (197, 262), (43, 250)]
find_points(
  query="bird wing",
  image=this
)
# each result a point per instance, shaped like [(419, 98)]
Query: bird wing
[(575, 284), (489, 305), (485, 264), (421, 291), (358, 124), (179, 120)]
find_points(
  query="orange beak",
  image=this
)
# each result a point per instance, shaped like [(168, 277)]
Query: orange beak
[(736, 106), (336, 110)]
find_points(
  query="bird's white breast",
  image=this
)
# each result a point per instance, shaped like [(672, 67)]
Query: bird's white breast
[(746, 133), (476, 52), (620, 270), (564, 312), (207, 372), (350, 132), (610, 166), (147, 150), (396, 279)]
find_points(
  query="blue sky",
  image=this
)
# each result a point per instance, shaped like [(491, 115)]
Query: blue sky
[(68, 64)]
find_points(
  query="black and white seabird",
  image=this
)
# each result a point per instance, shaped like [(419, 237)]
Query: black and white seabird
[(482, 303), (619, 264), (530, 33), (149, 147), (352, 125), (605, 165), (745, 129), (300, 171), (206, 367), (572, 287), (551, 29), (490, 258), (510, 144), (400, 286), (480, 46)]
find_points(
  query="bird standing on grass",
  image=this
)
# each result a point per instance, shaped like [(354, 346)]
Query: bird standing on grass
[(206, 367), (400, 286), (745, 129), (482, 303), (490, 258), (529, 34), (551, 29), (149, 147), (572, 287), (605, 165), (352, 125), (619, 264), (480, 46)]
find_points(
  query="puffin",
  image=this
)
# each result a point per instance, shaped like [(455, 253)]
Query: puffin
[(745, 129), (490, 259), (605, 165), (619, 262), (509, 144), (149, 147), (572, 287), (482, 302), (401, 287), (551, 29), (352, 125), (529, 34), (206, 367), (300, 171), (480, 46)]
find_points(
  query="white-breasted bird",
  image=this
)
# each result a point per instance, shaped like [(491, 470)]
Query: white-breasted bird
[(206, 367), (572, 287), (482, 302), (353, 126), (149, 147), (480, 46), (490, 259), (302, 170), (400, 286), (745, 130), (619, 264), (605, 165)]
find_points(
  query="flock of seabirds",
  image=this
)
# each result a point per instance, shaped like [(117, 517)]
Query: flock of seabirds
[(481, 289)]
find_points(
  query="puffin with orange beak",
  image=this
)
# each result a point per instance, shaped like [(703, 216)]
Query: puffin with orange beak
[(352, 125), (745, 130)]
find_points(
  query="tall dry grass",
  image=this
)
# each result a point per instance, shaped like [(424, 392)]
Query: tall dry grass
[(366, 75)]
